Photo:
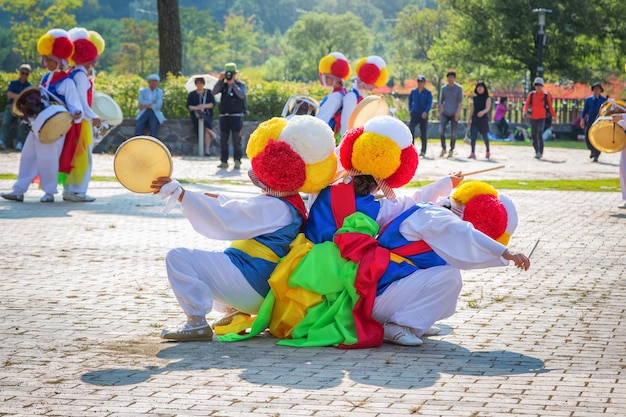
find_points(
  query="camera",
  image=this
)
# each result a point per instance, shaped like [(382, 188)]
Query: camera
[(228, 75)]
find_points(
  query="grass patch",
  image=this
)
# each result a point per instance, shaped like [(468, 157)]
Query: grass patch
[(602, 185)]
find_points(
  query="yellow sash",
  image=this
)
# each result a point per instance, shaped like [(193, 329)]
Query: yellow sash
[(255, 249)]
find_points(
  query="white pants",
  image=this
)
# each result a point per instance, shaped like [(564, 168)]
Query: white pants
[(420, 299), (39, 159), (198, 277), (82, 187)]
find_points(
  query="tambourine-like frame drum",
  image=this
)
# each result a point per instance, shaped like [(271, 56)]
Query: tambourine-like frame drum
[(107, 109), (607, 136), (141, 160), (369, 107), (52, 123)]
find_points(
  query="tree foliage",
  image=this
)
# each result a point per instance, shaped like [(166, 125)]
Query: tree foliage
[(30, 19), (138, 48), (304, 46)]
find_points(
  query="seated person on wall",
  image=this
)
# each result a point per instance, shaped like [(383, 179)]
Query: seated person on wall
[(150, 103), (200, 104)]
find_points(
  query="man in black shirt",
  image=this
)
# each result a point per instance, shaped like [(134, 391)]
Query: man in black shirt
[(232, 109)]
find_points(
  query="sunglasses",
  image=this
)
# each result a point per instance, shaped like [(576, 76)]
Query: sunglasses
[(24, 73)]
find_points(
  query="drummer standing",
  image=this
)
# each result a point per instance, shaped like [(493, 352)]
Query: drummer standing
[(38, 158), (88, 45), (590, 114)]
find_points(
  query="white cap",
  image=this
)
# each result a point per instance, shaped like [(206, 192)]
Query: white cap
[(538, 80), (154, 77)]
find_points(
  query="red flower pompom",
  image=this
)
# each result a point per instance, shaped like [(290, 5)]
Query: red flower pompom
[(279, 167), (487, 214), (340, 68), (62, 48), (369, 73), (84, 51), (408, 166), (347, 146)]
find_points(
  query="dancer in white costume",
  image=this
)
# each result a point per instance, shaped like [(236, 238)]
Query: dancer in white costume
[(88, 45), (261, 228), (410, 306), (39, 158)]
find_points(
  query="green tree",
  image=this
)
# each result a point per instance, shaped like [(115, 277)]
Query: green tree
[(202, 40), (138, 48), (240, 39), (110, 30), (416, 32), (317, 34), (30, 19)]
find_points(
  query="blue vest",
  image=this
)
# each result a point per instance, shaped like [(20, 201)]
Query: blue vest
[(391, 238), (53, 88), (256, 270), (321, 226)]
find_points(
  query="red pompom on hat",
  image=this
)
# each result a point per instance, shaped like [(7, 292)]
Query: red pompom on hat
[(487, 214)]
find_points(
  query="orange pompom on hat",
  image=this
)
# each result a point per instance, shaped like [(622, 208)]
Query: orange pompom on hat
[(335, 64), (56, 45), (490, 212), (291, 156), (382, 148), (88, 45), (372, 70)]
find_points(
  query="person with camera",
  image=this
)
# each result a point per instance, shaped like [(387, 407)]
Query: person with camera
[(232, 109), (200, 104)]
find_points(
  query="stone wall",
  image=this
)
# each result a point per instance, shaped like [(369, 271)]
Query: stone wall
[(177, 134)]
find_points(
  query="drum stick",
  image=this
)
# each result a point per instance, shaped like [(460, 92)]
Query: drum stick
[(482, 170), (533, 249)]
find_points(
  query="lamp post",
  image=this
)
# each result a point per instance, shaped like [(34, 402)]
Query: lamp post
[(541, 38)]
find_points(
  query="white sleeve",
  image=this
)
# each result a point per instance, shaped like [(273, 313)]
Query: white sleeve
[(349, 104), (455, 240), (431, 192), (223, 218), (330, 107), (83, 85), (390, 209), (67, 88)]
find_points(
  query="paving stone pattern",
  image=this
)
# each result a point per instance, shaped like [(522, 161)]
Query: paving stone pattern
[(84, 296)]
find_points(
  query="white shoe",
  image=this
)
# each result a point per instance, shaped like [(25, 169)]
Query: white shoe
[(432, 331), (400, 335), (13, 196), (47, 198), (78, 197), (623, 205)]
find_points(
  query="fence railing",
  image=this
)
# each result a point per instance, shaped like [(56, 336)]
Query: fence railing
[(567, 110)]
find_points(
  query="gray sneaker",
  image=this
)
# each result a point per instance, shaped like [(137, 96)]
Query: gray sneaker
[(47, 198), (78, 197)]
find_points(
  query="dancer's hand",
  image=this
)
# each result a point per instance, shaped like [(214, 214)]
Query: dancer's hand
[(519, 259)]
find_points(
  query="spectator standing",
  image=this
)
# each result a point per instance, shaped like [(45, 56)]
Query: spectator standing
[(479, 117), (450, 103), (590, 113), (420, 103), (150, 104), (200, 104), (537, 107), (14, 89), (499, 118), (232, 110)]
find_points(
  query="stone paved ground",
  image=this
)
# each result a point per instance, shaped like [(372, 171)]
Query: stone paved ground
[(84, 295)]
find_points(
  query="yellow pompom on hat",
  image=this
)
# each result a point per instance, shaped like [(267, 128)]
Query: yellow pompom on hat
[(383, 148), (335, 64), (56, 45), (490, 212), (88, 45), (294, 155), (372, 70)]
